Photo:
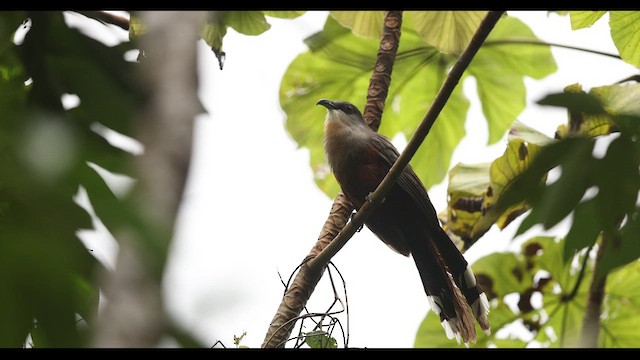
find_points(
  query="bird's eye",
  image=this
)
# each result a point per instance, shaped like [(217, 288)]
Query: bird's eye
[(349, 109)]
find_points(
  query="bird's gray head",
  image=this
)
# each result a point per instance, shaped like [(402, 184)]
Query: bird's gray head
[(342, 113)]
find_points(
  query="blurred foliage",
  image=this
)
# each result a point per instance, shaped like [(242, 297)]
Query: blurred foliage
[(48, 285), (623, 26), (338, 66), (543, 296), (606, 113)]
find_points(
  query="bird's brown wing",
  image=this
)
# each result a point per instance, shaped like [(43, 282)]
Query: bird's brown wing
[(408, 180)]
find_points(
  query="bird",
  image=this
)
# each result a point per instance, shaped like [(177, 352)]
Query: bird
[(405, 220)]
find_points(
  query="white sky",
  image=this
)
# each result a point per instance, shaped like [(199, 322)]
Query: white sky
[(251, 208)]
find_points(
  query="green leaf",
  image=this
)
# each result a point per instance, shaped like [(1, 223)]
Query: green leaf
[(576, 102), (414, 92), (331, 31), (519, 130), (342, 71), (566, 320), (549, 257), (619, 328), (509, 343), (367, 24), (431, 334), (625, 32), (289, 14), (244, 22), (502, 273), (505, 171), (448, 31), (247, 22), (499, 69), (584, 19), (622, 249), (320, 340), (474, 189), (619, 99), (558, 199), (465, 192), (585, 228), (618, 181)]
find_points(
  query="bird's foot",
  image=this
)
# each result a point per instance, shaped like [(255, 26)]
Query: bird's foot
[(369, 198), (351, 218)]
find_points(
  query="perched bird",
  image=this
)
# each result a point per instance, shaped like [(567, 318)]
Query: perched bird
[(405, 220)]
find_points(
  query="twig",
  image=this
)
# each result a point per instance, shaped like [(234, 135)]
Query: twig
[(574, 291)]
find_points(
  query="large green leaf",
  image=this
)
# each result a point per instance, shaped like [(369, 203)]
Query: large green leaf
[(616, 175), (584, 19), (284, 14), (448, 31), (466, 190), (367, 24), (585, 228), (339, 68), (501, 274), (622, 306), (619, 99), (625, 32), (414, 89), (216, 24), (560, 198), (474, 189), (500, 68)]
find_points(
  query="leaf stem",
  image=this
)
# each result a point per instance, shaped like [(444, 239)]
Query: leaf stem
[(544, 43)]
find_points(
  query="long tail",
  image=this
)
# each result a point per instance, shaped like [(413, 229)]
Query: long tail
[(450, 286), (464, 278)]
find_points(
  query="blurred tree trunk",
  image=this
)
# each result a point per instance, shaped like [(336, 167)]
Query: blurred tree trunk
[(134, 314)]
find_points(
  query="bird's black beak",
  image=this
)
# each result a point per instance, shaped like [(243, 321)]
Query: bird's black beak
[(326, 103)]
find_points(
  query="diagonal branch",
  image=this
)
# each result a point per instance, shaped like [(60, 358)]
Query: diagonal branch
[(297, 295), (316, 264), (420, 134)]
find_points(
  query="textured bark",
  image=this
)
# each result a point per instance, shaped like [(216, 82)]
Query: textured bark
[(381, 77), (297, 295), (134, 315), (591, 321)]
